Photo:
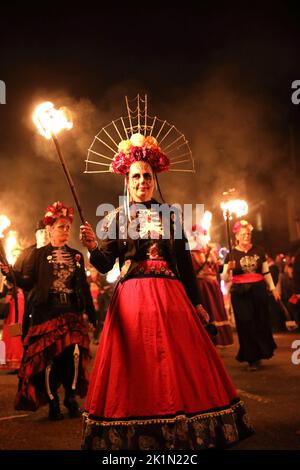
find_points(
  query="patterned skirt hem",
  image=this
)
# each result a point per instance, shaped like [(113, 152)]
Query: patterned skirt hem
[(214, 429), (37, 355)]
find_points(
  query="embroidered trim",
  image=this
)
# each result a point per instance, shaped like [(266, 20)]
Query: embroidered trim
[(178, 418)]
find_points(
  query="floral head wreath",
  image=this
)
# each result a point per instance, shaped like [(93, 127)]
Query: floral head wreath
[(198, 230), (139, 137), (57, 210), (139, 148), (198, 238), (242, 224)]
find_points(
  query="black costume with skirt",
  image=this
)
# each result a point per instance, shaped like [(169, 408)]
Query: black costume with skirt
[(56, 342), (249, 300), (157, 381)]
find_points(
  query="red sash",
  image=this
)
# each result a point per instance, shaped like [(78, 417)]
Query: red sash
[(249, 277)]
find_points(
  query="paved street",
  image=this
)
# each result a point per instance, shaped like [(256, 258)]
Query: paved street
[(271, 396)]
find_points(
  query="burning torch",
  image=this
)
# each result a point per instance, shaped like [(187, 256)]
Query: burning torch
[(16, 327), (239, 207), (4, 224), (50, 122)]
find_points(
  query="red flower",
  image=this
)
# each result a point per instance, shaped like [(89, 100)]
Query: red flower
[(56, 210), (158, 160)]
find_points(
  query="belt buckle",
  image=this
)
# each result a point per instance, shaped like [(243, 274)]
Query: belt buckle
[(63, 298)]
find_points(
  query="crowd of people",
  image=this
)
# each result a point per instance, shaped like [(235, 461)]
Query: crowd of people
[(158, 381), (58, 297), (285, 268)]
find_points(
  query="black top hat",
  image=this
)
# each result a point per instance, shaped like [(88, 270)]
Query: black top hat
[(40, 225)]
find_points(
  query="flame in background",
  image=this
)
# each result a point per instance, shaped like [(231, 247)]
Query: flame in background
[(12, 247), (4, 224), (206, 224), (238, 207), (51, 121)]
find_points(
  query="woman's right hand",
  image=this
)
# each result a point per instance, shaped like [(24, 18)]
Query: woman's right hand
[(204, 316), (4, 268), (88, 236)]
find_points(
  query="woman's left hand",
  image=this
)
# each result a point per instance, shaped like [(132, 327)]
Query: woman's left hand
[(291, 325), (4, 268), (276, 294), (202, 314), (88, 236)]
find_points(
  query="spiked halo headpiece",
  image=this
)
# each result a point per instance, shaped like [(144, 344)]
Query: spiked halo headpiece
[(135, 137)]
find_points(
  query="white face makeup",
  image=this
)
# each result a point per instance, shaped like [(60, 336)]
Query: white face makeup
[(60, 231), (140, 182)]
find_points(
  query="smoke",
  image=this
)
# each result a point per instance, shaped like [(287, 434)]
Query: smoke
[(32, 176), (239, 137), (235, 127), (230, 134)]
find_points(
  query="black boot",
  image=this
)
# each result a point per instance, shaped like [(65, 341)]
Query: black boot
[(72, 405), (54, 410)]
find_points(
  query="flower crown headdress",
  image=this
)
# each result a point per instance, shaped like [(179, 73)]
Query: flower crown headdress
[(139, 148), (242, 224), (55, 211), (139, 137)]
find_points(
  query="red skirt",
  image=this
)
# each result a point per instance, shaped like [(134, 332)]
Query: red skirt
[(13, 344), (157, 380), (43, 343), (213, 302)]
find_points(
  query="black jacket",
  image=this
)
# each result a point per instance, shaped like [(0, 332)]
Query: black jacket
[(177, 255), (37, 278)]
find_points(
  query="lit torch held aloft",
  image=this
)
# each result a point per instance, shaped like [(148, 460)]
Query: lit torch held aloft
[(239, 207), (11, 243), (49, 122)]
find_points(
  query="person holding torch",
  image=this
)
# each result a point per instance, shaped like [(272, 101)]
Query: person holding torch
[(157, 380), (246, 266), (56, 345)]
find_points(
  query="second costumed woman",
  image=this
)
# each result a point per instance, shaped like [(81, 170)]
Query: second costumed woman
[(157, 380)]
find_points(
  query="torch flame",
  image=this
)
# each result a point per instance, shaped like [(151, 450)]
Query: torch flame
[(11, 246), (4, 224), (51, 121), (206, 224), (234, 206)]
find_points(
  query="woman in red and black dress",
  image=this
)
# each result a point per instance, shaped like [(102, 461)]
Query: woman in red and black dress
[(157, 380), (13, 344), (56, 342), (250, 279), (206, 263)]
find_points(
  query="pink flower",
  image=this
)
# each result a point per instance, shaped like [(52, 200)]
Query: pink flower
[(56, 210), (152, 155)]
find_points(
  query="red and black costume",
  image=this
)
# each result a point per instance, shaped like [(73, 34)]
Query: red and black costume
[(206, 265), (249, 300), (294, 300), (13, 344), (157, 380), (56, 343)]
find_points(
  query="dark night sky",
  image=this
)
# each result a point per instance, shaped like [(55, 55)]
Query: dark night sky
[(222, 73)]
